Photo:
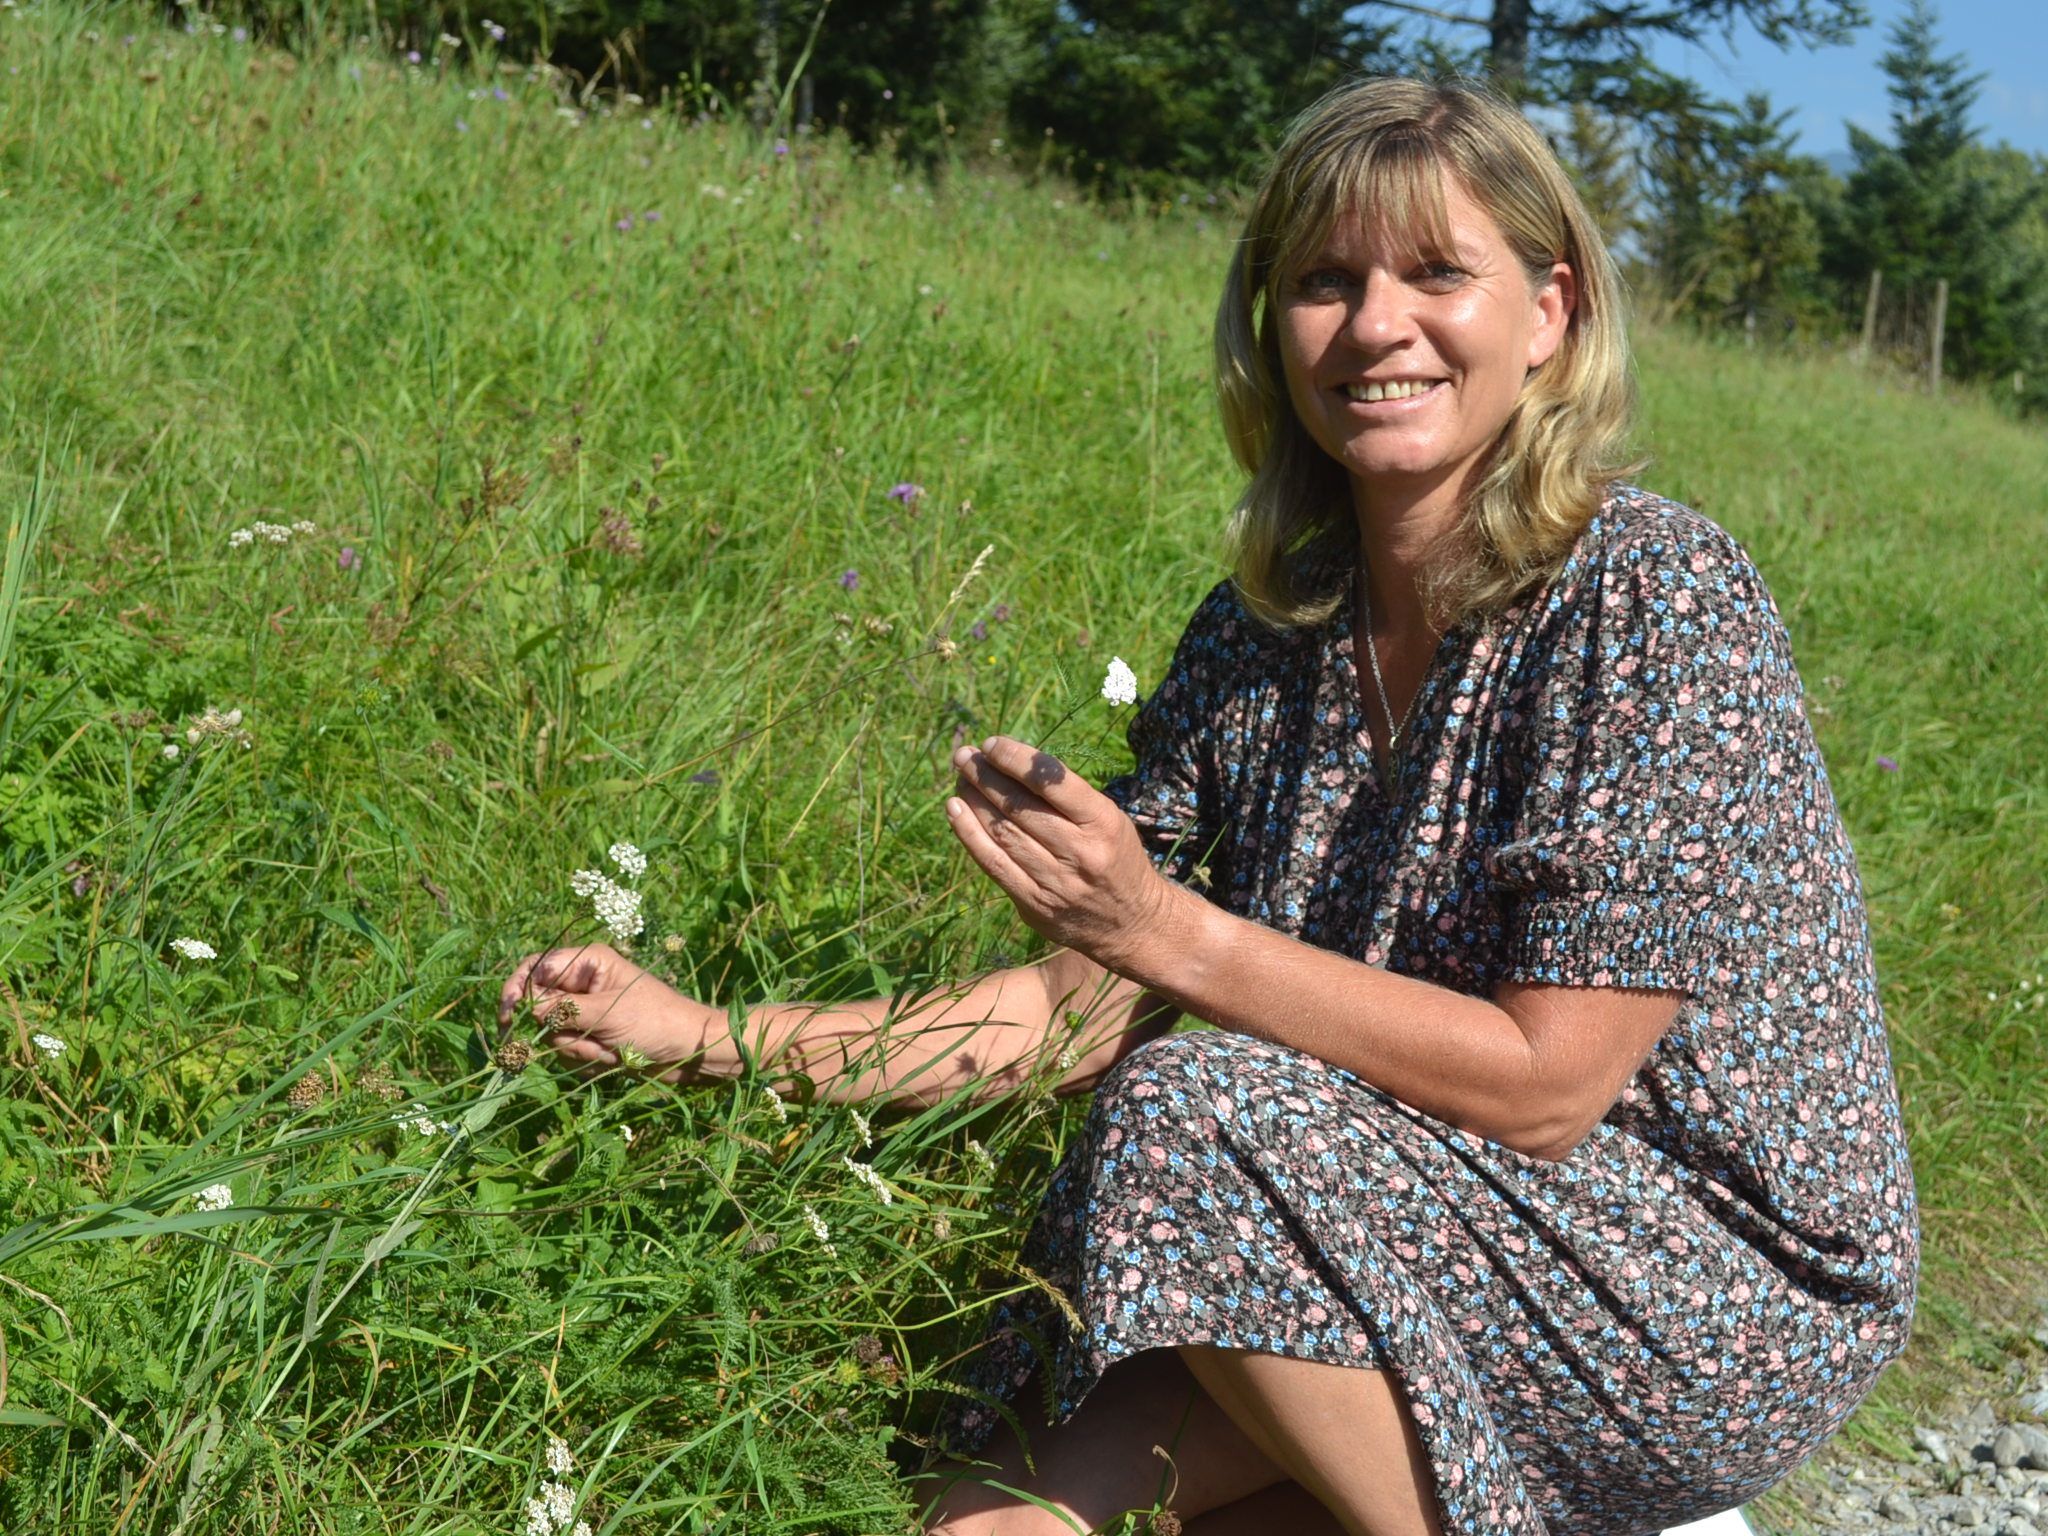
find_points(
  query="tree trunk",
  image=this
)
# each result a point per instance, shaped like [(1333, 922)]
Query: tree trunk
[(1509, 49)]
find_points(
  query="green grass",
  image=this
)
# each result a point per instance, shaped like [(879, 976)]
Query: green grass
[(239, 289)]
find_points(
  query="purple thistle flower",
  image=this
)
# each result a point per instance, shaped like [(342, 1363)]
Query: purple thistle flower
[(652, 216), (850, 579), (781, 148), (499, 93), (1000, 613), (980, 630), (412, 55), (1888, 764), (624, 224), (350, 560), (905, 491), (705, 776), (461, 126)]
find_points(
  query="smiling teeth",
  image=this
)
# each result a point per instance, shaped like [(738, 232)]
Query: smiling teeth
[(1399, 390)]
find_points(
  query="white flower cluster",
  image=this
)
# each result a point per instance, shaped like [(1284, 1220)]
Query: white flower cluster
[(819, 1230), (415, 1115), (214, 722), (616, 906), (492, 30), (984, 1164), (49, 1045), (555, 1506), (215, 1197), (1120, 683), (269, 533), (861, 1128), (872, 1179), (776, 1107), (195, 949)]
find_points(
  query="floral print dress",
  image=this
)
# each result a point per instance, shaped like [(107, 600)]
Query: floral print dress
[(1613, 783)]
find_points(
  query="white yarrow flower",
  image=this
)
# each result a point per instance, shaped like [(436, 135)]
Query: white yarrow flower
[(582, 1528), (631, 861), (195, 949), (776, 1107), (215, 1197), (617, 907), (538, 1521), (819, 1230), (49, 1045), (560, 1462), (869, 1177), (171, 751), (560, 1499), (861, 1128), (982, 1161), (240, 537), (1120, 683)]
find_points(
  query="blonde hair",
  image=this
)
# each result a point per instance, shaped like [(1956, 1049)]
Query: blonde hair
[(1383, 147)]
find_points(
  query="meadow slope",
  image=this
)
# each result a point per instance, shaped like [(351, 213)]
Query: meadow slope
[(595, 416)]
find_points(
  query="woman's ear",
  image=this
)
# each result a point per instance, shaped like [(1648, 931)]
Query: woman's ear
[(1556, 297)]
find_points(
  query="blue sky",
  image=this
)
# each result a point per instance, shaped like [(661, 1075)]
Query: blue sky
[(2005, 40)]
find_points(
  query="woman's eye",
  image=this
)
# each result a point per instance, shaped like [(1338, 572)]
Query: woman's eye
[(1322, 282), (1442, 271)]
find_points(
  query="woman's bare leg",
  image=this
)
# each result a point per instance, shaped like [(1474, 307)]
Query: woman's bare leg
[(1342, 1432), (1100, 1463), (1287, 1507)]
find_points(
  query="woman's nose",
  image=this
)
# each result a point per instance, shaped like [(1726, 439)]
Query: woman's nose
[(1382, 315)]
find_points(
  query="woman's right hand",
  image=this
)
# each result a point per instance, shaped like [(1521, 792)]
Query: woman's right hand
[(617, 1006)]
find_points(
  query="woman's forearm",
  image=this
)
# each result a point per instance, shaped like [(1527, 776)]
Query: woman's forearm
[(1066, 1016), (1458, 1057)]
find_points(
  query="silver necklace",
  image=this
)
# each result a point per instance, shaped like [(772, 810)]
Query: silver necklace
[(1372, 655)]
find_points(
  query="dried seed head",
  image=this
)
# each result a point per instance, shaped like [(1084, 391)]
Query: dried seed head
[(375, 1080), (564, 1014), (513, 1056), (763, 1242), (1166, 1523), (306, 1092)]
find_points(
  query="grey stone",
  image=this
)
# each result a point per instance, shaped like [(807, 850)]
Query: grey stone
[(1979, 1420), (2031, 1508), (1968, 1516), (1933, 1442), (1896, 1506), (2019, 1525), (2036, 1401), (2007, 1448), (2035, 1439)]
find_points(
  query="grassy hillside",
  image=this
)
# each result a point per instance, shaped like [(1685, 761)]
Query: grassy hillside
[(595, 417)]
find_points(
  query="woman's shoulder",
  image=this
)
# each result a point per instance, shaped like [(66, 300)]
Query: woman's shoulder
[(1635, 527)]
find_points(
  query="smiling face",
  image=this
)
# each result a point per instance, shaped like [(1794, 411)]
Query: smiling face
[(1404, 361)]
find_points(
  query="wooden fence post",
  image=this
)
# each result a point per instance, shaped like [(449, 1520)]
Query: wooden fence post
[(1940, 321), (1870, 314)]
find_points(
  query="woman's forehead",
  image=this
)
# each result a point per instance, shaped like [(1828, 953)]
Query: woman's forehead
[(1402, 202)]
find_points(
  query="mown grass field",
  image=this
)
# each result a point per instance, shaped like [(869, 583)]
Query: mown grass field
[(593, 415)]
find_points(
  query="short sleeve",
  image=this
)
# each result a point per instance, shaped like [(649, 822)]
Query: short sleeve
[(1665, 684), (1171, 793)]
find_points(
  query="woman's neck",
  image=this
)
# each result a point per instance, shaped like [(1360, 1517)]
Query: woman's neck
[(1398, 534)]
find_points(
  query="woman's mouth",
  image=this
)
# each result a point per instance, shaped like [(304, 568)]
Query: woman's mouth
[(1375, 391)]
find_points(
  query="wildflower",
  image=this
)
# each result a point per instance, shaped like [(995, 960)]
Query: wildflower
[(195, 949), (614, 905), (947, 649), (819, 1230), (624, 224), (673, 943), (869, 1177), (618, 535), (240, 537), (906, 491), (415, 1117), (704, 776), (215, 723), (1120, 683), (492, 30), (305, 526), (412, 55), (861, 1128), (171, 751), (498, 92), (582, 1528), (49, 1045), (1000, 613), (1888, 764), (942, 1228), (875, 627), (461, 126), (349, 560), (983, 1163), (626, 1134), (849, 580), (560, 1462), (538, 1521), (215, 1197), (776, 1107), (307, 1092), (631, 861), (513, 1056), (980, 629), (781, 148)]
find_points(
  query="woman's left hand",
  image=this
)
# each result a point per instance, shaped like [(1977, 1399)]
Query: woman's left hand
[(1064, 853)]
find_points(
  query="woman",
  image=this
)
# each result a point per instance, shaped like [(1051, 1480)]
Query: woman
[(1544, 1170)]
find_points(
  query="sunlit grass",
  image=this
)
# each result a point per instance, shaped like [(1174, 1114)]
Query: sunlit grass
[(601, 487)]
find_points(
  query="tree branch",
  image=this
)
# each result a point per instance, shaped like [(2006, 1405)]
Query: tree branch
[(1434, 14)]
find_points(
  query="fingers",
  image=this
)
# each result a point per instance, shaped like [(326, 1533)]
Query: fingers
[(971, 823), (1010, 795), (1044, 777), (567, 970)]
